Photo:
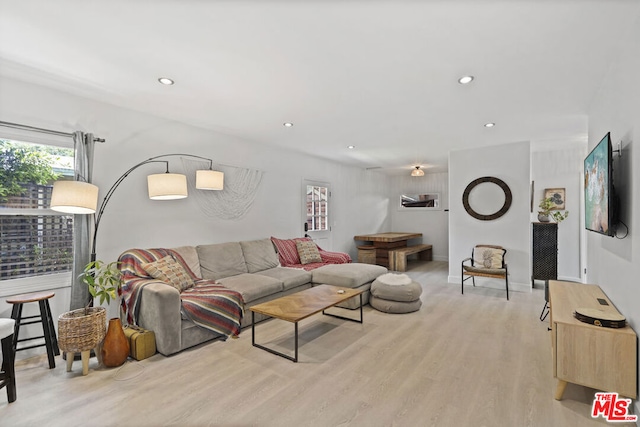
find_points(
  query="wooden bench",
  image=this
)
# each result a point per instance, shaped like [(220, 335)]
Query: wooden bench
[(398, 257)]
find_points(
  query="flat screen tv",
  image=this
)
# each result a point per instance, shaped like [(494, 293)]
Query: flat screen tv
[(599, 195)]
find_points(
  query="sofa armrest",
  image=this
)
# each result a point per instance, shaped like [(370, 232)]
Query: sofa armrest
[(160, 313)]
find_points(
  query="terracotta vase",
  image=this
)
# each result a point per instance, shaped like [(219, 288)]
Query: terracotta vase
[(115, 347)]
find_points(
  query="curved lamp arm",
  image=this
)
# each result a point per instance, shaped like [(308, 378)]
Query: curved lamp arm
[(107, 197)]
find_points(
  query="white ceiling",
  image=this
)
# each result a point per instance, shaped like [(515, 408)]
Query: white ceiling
[(380, 75)]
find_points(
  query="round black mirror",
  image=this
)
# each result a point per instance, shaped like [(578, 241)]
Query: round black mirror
[(487, 217)]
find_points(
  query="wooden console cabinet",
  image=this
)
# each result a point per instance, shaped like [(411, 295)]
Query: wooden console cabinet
[(601, 358)]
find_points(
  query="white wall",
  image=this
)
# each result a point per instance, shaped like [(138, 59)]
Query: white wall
[(614, 263), (360, 198), (562, 168), (510, 163), (433, 224)]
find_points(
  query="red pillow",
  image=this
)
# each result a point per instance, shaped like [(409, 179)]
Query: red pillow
[(287, 250)]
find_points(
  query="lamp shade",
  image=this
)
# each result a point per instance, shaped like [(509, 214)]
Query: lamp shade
[(167, 186), (209, 180), (74, 197)]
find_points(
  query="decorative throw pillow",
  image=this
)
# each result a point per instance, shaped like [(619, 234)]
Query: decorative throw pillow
[(487, 257), (308, 252), (168, 270), (287, 251)]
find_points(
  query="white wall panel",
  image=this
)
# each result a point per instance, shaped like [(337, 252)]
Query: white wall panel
[(510, 163)]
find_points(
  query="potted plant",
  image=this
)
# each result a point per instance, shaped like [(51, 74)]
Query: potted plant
[(548, 211), (104, 281), (84, 329)]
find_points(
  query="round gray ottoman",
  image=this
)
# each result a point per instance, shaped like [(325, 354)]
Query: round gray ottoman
[(395, 293)]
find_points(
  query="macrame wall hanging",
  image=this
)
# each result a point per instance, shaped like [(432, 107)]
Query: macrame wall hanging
[(240, 189)]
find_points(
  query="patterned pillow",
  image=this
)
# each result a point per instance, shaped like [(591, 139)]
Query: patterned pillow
[(287, 251), (308, 252), (171, 272), (487, 257)]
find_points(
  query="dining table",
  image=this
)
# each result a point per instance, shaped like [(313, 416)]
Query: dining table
[(382, 243)]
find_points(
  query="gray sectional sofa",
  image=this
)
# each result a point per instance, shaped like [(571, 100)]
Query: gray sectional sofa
[(251, 268)]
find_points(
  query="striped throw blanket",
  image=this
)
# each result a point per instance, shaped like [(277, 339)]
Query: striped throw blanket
[(207, 304)]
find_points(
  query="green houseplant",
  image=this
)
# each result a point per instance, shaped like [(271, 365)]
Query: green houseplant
[(547, 211), (104, 280), (84, 329)]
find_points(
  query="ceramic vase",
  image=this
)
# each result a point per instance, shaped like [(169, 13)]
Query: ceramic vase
[(115, 347), (543, 218)]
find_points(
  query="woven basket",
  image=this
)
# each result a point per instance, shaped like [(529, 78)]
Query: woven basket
[(81, 330)]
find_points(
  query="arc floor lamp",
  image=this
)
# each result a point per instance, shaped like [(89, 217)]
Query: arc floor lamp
[(78, 197)]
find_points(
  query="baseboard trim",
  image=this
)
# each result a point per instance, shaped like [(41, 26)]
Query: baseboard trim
[(484, 282)]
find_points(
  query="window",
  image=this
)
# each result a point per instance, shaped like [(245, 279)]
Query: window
[(317, 208), (35, 242)]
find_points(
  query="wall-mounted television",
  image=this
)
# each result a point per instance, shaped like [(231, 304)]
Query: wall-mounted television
[(600, 203)]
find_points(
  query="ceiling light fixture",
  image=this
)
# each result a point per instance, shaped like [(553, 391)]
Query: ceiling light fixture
[(287, 124), (166, 81), (417, 171), (465, 80), (351, 147), (489, 125)]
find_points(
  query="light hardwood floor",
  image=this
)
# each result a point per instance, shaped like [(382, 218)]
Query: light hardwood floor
[(462, 360)]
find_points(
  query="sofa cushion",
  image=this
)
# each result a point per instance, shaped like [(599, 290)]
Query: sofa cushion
[(308, 252), (221, 260), (169, 271), (290, 277), (252, 286), (190, 257), (347, 275), (259, 255)]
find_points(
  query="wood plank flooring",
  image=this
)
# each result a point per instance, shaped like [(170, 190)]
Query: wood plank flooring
[(462, 360)]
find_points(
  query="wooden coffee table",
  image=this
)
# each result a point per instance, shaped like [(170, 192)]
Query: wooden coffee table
[(295, 307)]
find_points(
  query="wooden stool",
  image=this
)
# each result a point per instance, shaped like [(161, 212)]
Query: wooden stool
[(367, 254), (8, 374), (50, 340)]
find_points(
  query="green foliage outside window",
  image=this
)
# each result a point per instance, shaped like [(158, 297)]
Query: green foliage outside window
[(23, 164)]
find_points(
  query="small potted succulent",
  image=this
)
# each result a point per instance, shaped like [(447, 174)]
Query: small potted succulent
[(547, 211)]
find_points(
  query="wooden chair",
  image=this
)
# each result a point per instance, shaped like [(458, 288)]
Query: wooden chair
[(485, 261), (8, 373)]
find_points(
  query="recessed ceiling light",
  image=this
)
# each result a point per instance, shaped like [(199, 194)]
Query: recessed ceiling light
[(465, 80), (351, 147), (489, 125), (166, 81), (287, 124)]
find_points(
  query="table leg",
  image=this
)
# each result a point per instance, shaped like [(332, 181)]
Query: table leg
[(562, 385), (277, 353), (296, 343), (346, 318)]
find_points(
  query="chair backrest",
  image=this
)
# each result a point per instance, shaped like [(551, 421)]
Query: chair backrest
[(488, 256)]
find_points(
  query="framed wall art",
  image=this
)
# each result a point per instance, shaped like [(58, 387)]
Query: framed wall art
[(557, 195)]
